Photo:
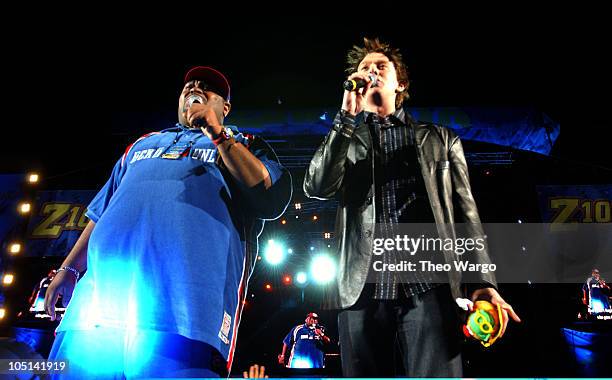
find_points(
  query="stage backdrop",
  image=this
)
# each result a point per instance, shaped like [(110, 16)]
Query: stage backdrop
[(57, 220), (517, 128), (575, 203)]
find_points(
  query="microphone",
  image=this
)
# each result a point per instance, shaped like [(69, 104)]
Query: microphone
[(193, 98), (354, 84)]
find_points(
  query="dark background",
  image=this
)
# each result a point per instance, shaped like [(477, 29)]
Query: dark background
[(75, 87)]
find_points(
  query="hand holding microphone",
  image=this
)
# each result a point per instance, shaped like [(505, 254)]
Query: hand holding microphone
[(356, 86), (202, 115), (357, 83), (319, 330)]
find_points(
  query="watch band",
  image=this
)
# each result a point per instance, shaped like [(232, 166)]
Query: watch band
[(221, 137), (72, 270)]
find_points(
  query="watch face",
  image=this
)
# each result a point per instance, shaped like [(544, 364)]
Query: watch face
[(229, 132)]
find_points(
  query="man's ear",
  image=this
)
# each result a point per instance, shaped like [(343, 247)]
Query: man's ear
[(401, 87), (226, 108)]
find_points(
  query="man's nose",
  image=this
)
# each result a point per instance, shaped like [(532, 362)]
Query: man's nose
[(196, 86), (373, 69)]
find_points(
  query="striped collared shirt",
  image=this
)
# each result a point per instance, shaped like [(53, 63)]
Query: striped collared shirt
[(400, 196)]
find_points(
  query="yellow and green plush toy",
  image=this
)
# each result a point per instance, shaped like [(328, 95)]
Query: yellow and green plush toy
[(484, 323)]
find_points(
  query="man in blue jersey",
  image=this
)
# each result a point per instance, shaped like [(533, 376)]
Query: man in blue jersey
[(306, 342), (595, 293), (170, 247)]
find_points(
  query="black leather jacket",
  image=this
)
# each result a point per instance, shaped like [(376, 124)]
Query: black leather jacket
[(343, 167)]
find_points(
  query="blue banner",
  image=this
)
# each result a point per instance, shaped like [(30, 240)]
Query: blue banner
[(516, 128)]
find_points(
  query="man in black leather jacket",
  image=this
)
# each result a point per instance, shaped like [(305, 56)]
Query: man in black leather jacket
[(386, 170)]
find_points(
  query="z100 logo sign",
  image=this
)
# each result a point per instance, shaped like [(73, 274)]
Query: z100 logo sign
[(57, 222), (576, 204), (59, 217), (577, 210)]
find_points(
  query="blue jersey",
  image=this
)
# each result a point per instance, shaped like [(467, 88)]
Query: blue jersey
[(597, 293), (306, 348), (175, 239)]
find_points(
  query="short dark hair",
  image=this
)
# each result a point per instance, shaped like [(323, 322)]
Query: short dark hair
[(358, 53)]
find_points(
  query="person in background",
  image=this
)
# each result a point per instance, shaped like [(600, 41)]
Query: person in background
[(305, 343)]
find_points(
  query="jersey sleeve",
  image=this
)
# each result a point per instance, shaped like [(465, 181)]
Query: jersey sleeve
[(289, 338), (268, 203), (100, 202)]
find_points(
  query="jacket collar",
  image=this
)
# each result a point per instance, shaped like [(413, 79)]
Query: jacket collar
[(363, 134)]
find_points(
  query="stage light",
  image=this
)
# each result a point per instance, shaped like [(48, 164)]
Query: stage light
[(274, 253), (297, 217), (329, 246), (311, 248), (301, 278), (315, 218), (327, 235), (290, 251), (322, 269), (7, 279), (2, 313), (283, 221), (33, 178), (268, 287), (298, 206), (287, 279), (25, 207), (15, 248), (258, 258), (520, 221)]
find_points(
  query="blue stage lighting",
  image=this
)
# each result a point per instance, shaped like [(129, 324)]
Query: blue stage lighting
[(301, 278), (274, 253)]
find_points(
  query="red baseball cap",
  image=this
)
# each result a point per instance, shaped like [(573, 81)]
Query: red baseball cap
[(312, 315), (216, 81)]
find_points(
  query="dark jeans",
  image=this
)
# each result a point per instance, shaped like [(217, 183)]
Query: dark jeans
[(423, 332)]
